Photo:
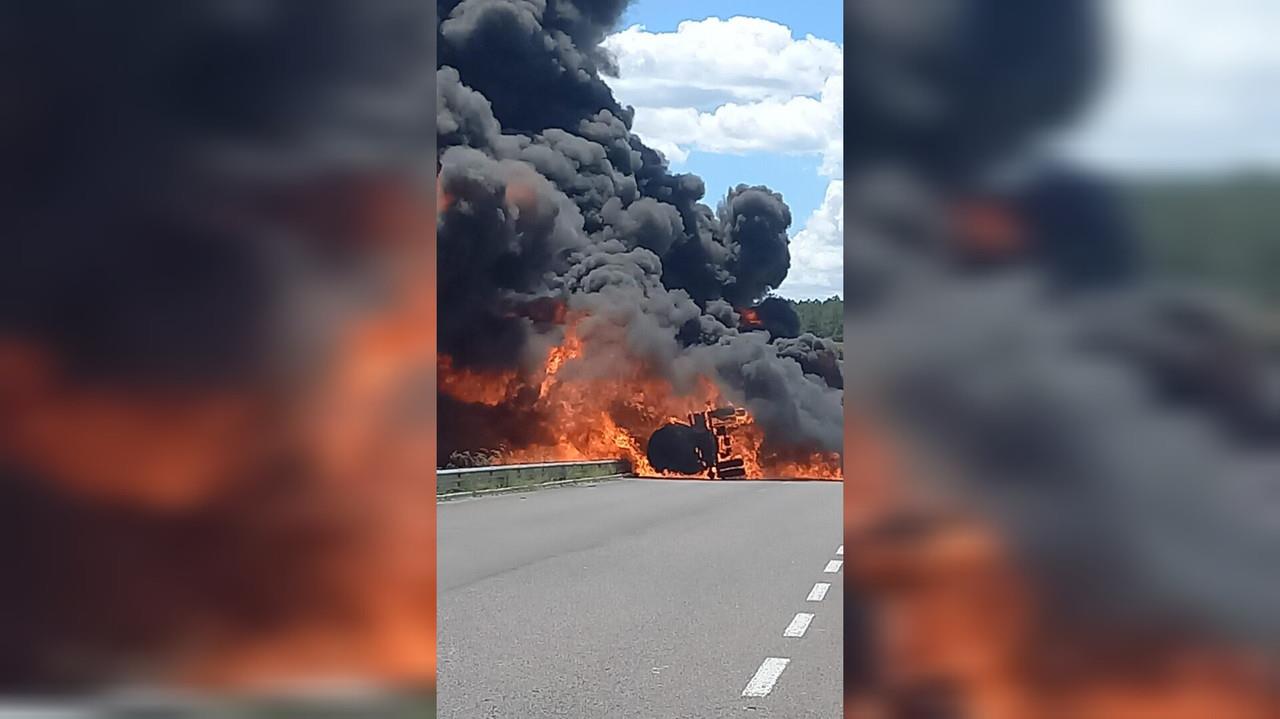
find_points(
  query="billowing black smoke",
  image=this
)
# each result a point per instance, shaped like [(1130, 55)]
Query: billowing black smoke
[(778, 317), (547, 194), (818, 356)]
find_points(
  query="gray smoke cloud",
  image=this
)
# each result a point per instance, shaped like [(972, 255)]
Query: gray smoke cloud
[(548, 195)]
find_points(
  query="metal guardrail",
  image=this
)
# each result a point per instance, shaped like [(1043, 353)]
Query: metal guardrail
[(475, 479)]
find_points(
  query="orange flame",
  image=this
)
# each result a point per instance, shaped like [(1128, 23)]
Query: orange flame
[(584, 416), (988, 231)]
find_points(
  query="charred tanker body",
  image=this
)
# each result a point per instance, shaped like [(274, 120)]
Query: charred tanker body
[(587, 295), (705, 444)]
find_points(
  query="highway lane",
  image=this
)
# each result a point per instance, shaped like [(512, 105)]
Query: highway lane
[(644, 599)]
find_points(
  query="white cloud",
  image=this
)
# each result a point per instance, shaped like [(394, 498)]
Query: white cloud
[(1193, 87), (741, 59), (817, 251), (733, 86)]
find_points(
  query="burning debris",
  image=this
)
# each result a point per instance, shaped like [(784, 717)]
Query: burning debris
[(474, 458), (634, 302)]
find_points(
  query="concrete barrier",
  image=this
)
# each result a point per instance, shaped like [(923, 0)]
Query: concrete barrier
[(510, 476)]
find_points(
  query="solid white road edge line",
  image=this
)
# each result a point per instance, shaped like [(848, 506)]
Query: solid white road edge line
[(766, 676)]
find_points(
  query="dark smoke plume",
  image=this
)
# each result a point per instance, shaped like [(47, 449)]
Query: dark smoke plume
[(547, 194), (817, 356), (778, 317)]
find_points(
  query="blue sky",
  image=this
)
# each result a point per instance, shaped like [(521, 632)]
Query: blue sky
[(746, 102), (820, 18), (795, 177)]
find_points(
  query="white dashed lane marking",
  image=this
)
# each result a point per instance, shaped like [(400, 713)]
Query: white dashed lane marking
[(798, 626), (818, 593), (766, 676), (772, 667)]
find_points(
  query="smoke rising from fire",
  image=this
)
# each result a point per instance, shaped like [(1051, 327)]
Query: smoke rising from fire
[(547, 196)]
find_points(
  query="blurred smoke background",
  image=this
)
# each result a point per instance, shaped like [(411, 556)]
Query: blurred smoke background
[(1061, 358), (217, 383)]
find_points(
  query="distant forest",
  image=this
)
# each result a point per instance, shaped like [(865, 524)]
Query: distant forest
[(1224, 232), (824, 318)]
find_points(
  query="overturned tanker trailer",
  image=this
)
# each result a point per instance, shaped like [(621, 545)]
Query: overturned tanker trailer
[(703, 445)]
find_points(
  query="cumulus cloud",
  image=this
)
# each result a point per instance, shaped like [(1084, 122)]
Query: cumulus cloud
[(705, 63), (817, 251), (1192, 88), (733, 86)]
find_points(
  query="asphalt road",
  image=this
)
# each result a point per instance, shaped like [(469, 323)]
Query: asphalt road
[(644, 599)]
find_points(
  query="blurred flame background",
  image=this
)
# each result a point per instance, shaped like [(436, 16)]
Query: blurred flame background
[(217, 347)]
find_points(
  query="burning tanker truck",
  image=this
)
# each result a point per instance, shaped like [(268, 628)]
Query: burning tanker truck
[(588, 295)]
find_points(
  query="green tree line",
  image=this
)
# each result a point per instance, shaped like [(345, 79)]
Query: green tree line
[(824, 318)]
